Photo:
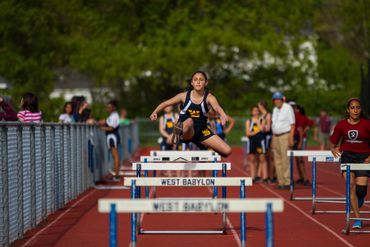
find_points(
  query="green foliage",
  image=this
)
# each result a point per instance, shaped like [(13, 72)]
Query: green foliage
[(145, 50)]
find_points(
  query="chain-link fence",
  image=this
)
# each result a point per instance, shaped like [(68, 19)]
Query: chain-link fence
[(44, 166)]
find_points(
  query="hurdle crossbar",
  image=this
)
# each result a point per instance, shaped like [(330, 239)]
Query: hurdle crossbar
[(189, 166), (183, 157), (348, 168), (175, 153), (190, 205), (187, 181)]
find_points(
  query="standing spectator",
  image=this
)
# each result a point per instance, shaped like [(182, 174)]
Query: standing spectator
[(79, 106), (283, 125), (66, 116), (123, 120), (30, 109), (166, 125), (8, 113), (266, 115), (215, 124), (254, 130), (322, 132), (302, 125), (351, 141), (111, 128)]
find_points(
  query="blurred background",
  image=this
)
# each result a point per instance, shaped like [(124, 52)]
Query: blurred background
[(141, 52)]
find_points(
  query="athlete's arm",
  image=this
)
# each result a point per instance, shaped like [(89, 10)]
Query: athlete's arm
[(230, 126), (211, 100), (268, 122), (179, 98)]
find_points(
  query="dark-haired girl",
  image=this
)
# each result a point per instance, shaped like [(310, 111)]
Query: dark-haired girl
[(192, 124), (30, 109), (351, 141), (66, 117)]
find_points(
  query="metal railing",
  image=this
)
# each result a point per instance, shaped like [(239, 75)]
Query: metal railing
[(44, 166)]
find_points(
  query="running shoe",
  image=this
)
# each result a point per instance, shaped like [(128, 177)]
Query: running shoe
[(177, 132), (360, 201), (357, 224)]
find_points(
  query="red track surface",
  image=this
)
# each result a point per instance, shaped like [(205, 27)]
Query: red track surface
[(79, 223)]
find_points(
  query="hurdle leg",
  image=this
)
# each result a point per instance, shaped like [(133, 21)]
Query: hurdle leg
[(133, 216), (313, 185), (146, 187), (243, 224), (113, 226), (215, 188), (154, 188), (269, 226), (348, 199), (224, 197), (291, 176)]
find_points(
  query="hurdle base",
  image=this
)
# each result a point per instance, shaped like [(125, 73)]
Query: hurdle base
[(102, 187), (182, 232), (359, 231), (337, 212)]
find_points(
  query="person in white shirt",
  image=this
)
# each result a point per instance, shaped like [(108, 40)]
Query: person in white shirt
[(66, 116), (283, 124), (111, 127)]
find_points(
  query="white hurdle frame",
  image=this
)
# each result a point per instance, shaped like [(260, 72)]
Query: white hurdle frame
[(189, 182), (114, 206), (348, 168), (179, 156), (190, 166)]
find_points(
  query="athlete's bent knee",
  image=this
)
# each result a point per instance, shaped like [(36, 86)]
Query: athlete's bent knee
[(361, 191), (226, 152)]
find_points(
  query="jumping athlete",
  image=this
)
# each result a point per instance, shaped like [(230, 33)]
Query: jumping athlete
[(192, 124), (351, 141)]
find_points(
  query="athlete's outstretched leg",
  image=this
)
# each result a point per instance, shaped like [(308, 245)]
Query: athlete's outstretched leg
[(218, 145)]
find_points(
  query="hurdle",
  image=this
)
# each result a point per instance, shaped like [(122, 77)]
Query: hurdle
[(190, 182), (178, 156), (245, 142), (242, 206), (348, 168)]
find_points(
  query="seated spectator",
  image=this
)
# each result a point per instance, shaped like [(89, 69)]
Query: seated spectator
[(30, 109), (8, 113), (66, 116)]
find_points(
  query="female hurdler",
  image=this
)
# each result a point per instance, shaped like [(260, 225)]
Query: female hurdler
[(192, 124)]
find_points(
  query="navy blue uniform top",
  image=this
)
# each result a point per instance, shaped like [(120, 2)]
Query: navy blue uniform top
[(168, 123), (198, 112)]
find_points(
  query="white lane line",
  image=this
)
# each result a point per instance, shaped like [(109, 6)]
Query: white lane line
[(58, 218), (231, 226), (304, 213)]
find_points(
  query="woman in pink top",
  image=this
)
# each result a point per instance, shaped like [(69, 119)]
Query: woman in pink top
[(30, 110)]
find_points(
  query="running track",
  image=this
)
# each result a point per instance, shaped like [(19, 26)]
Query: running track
[(79, 223)]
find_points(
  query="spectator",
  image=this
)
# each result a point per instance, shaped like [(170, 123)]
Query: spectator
[(322, 131), (166, 124), (266, 115), (303, 124), (123, 120), (283, 125), (30, 109), (79, 105), (215, 124), (254, 130), (8, 113), (111, 128), (66, 116), (351, 141)]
